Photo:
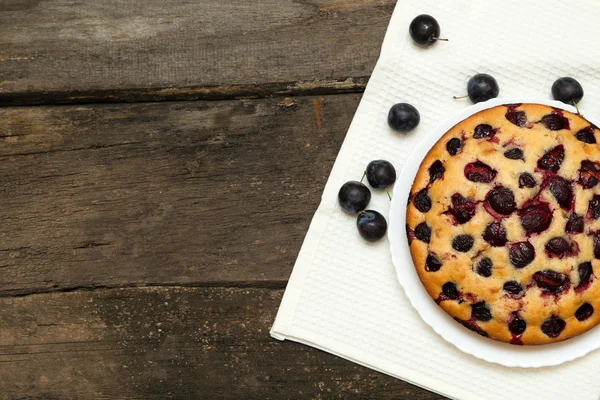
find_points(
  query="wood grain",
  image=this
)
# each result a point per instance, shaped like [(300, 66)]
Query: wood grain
[(62, 51), (156, 343), (193, 193)]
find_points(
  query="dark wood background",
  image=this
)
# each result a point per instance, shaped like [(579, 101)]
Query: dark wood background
[(160, 162)]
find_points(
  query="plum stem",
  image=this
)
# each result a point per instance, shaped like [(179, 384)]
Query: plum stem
[(388, 193), (363, 177), (460, 97), (364, 212), (577, 108), (437, 38)]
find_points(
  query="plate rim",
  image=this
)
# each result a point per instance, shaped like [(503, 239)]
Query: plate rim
[(469, 342)]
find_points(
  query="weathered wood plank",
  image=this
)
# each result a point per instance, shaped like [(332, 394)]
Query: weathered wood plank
[(155, 343), (196, 193), (59, 51)]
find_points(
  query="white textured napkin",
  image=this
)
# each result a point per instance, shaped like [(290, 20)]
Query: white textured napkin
[(343, 296)]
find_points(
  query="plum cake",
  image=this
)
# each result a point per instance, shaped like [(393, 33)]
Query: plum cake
[(503, 223)]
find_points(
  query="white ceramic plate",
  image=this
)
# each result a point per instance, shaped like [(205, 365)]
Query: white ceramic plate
[(465, 340)]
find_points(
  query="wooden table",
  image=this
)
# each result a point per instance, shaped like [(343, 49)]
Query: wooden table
[(160, 164)]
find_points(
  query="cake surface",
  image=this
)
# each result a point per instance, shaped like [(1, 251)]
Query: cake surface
[(503, 223)]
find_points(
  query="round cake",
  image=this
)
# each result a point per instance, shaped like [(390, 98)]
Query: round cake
[(503, 223)]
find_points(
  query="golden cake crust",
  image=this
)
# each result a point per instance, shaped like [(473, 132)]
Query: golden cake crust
[(541, 305)]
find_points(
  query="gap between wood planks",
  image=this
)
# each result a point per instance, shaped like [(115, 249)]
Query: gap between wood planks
[(210, 93), (271, 285)]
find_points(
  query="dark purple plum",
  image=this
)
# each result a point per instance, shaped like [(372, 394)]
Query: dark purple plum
[(594, 207), (423, 232), (462, 209), (403, 117), (481, 312), (586, 135), (588, 174), (574, 224), (502, 200), (527, 180), (432, 264), (553, 326), (371, 225), (561, 190), (585, 271), (555, 122), (354, 197), (587, 165), (535, 217), (596, 245), (479, 172), (517, 325), (422, 201), (482, 87), (380, 174), (483, 131), (462, 243), (552, 160), (513, 288), (584, 312), (424, 30), (450, 291), (436, 171), (454, 146), (567, 90), (557, 246), (495, 234), (519, 118), (551, 281), (521, 254), (514, 154), (484, 267)]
